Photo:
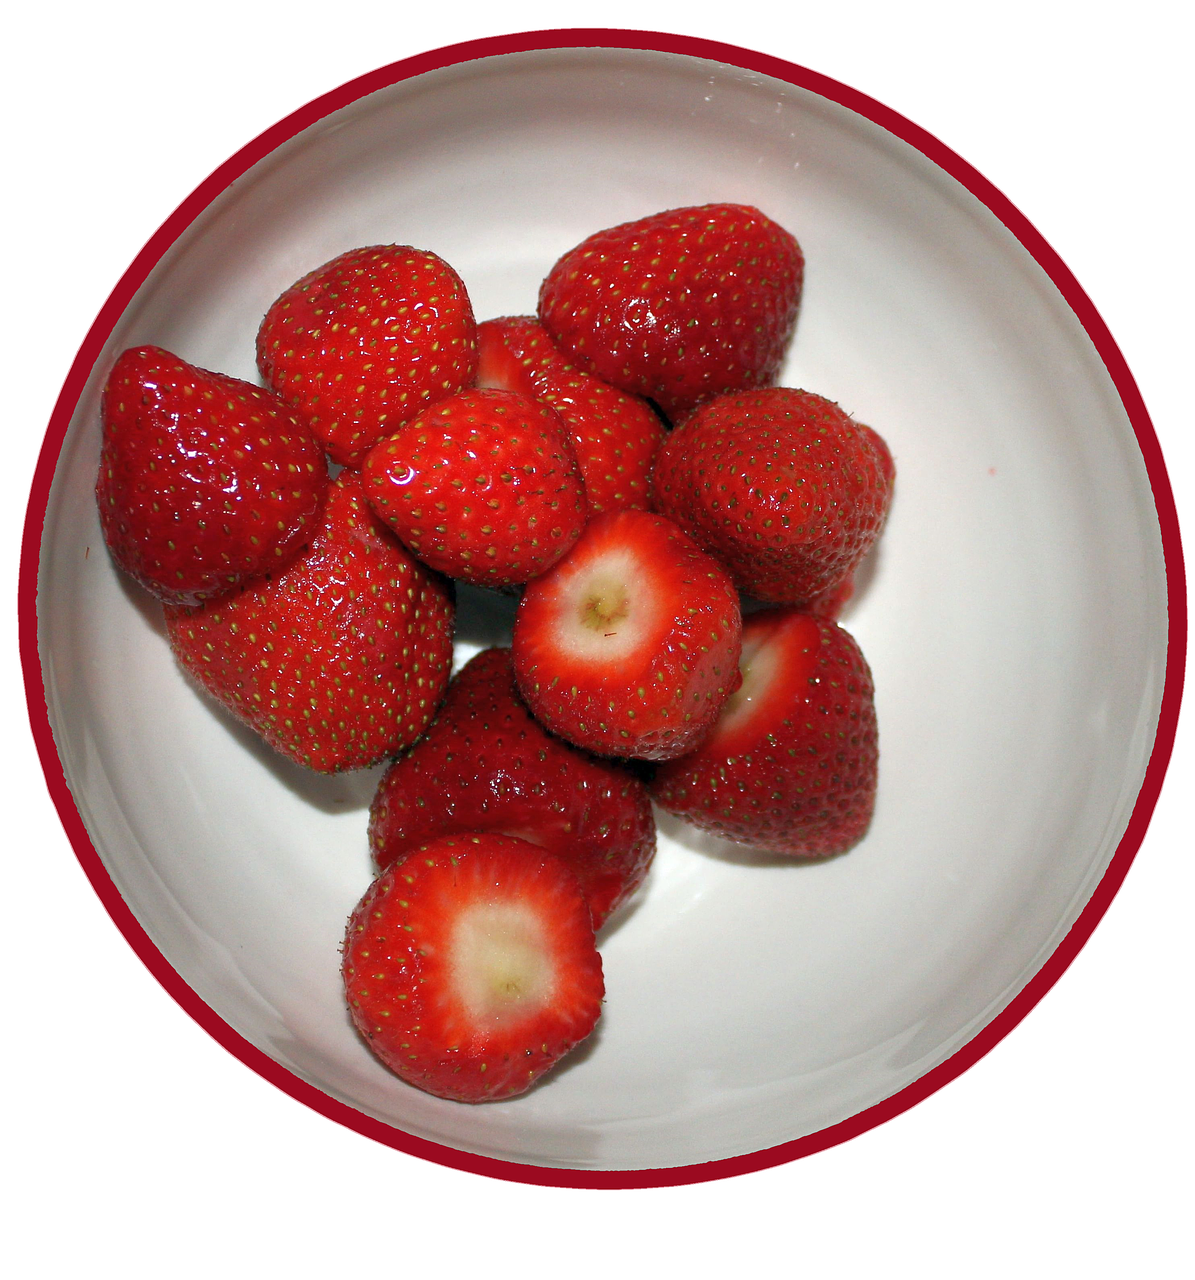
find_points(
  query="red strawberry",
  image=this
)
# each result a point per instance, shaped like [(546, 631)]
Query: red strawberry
[(205, 481), (630, 645), (681, 306), (483, 486), (337, 662), (471, 969), (791, 764), (783, 486), (486, 765), (614, 435), (364, 342)]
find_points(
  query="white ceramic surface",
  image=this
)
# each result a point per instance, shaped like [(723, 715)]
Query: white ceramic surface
[(1014, 617)]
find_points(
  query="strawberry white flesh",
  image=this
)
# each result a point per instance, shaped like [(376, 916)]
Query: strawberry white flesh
[(471, 967), (629, 645), (790, 766)]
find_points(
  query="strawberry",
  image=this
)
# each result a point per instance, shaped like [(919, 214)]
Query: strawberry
[(470, 968), (679, 307), (364, 342), (629, 646), (783, 486), (483, 486), (790, 767), (486, 765), (340, 660), (614, 435), (205, 481)]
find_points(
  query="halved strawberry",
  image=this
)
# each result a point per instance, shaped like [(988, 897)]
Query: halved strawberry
[(337, 662), (615, 435), (365, 341), (470, 968), (487, 765), (630, 645), (483, 486), (791, 765)]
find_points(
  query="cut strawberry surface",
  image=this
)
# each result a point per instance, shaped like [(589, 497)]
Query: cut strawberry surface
[(487, 765), (615, 435), (791, 765), (630, 645), (470, 968)]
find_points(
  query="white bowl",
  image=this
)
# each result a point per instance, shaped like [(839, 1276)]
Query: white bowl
[(1015, 618)]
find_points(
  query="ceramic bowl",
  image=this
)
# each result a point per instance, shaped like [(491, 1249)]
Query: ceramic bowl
[(1015, 617)]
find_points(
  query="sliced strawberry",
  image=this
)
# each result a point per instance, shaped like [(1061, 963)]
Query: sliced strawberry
[(339, 661), (791, 765), (630, 645), (614, 435), (363, 343), (486, 765), (782, 486), (205, 481), (681, 306), (470, 968), (483, 486)]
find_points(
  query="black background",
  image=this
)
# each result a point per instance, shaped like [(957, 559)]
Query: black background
[(1085, 137)]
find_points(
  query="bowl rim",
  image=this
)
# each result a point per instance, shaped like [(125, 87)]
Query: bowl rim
[(934, 150)]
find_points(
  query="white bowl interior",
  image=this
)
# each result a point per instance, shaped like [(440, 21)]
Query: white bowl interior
[(1015, 619)]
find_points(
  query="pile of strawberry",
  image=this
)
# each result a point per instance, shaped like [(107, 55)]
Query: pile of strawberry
[(624, 463)]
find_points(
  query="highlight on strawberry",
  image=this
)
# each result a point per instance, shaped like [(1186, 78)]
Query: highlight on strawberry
[(782, 486), (630, 645), (483, 486), (681, 306), (487, 765), (363, 343), (470, 968), (790, 767), (204, 481)]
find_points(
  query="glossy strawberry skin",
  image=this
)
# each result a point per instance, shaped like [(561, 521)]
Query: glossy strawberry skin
[(339, 661), (614, 435), (681, 306), (363, 343), (781, 485), (791, 765), (205, 481), (483, 486), (487, 765), (630, 645), (427, 991)]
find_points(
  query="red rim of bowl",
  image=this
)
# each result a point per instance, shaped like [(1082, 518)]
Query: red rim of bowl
[(934, 150)]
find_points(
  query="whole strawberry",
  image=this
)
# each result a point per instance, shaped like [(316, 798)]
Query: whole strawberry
[(630, 645), (614, 435), (339, 661), (486, 765), (470, 968), (791, 765), (483, 486), (205, 481), (363, 343), (679, 307), (782, 486)]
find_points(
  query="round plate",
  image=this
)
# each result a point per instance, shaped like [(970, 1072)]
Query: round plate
[(1015, 616)]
